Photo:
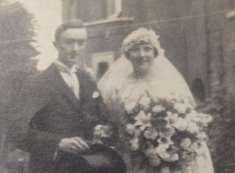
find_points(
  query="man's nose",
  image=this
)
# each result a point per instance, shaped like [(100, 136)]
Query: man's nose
[(76, 47)]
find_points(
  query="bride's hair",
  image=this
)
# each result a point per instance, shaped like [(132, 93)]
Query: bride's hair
[(142, 35)]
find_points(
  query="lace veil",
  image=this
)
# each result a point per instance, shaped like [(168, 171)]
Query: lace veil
[(165, 79)]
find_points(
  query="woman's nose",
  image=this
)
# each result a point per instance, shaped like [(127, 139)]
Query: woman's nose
[(141, 52)]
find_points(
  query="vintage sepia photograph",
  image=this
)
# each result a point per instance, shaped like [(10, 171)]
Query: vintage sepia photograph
[(117, 86)]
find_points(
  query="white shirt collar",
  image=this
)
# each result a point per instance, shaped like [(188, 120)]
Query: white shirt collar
[(64, 68)]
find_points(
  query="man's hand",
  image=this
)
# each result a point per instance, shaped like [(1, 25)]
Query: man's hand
[(73, 145)]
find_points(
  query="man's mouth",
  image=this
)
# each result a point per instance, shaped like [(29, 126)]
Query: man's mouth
[(73, 57)]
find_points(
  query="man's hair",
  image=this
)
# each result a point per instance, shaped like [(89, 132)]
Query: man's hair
[(75, 23)]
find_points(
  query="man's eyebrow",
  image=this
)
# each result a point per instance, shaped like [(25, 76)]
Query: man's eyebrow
[(76, 39)]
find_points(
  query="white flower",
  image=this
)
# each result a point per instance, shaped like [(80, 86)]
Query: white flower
[(181, 107), (129, 107), (171, 118), (198, 117), (193, 128), (150, 151), (158, 108), (95, 94), (188, 157), (143, 120), (151, 133), (102, 131), (181, 124), (186, 143), (130, 128), (166, 169), (152, 155), (155, 161), (164, 141), (197, 147), (205, 118), (193, 116), (202, 136), (145, 101), (134, 144), (165, 155), (168, 131), (161, 149), (173, 157)]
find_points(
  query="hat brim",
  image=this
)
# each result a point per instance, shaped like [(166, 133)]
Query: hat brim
[(99, 159)]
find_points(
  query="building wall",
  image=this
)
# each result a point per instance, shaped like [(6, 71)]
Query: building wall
[(182, 27), (87, 10), (229, 60), (190, 31), (200, 40), (106, 38)]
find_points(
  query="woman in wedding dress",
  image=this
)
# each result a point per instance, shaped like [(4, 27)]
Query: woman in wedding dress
[(143, 68)]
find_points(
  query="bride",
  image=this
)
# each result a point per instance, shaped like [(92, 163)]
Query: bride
[(143, 68)]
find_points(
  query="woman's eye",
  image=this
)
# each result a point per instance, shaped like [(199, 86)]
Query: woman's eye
[(134, 50), (148, 49), (79, 42)]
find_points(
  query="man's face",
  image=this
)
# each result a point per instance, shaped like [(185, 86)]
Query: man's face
[(141, 56), (71, 46)]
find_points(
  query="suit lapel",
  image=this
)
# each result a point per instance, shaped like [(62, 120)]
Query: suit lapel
[(64, 89), (82, 88)]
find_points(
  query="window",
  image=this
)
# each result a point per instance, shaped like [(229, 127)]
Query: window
[(101, 62), (113, 8)]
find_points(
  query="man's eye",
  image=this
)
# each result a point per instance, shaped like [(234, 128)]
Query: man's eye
[(69, 41), (81, 42)]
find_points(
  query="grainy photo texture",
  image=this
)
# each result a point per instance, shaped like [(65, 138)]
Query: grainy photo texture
[(117, 86)]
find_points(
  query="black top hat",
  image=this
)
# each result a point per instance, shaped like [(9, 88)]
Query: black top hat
[(99, 159)]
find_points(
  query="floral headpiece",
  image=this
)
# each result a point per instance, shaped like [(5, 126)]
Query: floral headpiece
[(142, 35)]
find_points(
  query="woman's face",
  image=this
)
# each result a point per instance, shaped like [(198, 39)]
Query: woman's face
[(141, 56)]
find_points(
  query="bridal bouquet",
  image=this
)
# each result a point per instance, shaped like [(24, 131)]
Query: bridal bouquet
[(102, 134), (166, 131)]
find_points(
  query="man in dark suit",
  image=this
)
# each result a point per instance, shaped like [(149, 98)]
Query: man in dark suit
[(70, 104)]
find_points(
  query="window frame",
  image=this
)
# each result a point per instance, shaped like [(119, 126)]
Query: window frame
[(117, 9)]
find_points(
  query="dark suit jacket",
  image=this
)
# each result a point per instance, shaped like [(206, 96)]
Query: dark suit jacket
[(61, 115)]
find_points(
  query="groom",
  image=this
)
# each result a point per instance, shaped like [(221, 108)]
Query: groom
[(71, 105)]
